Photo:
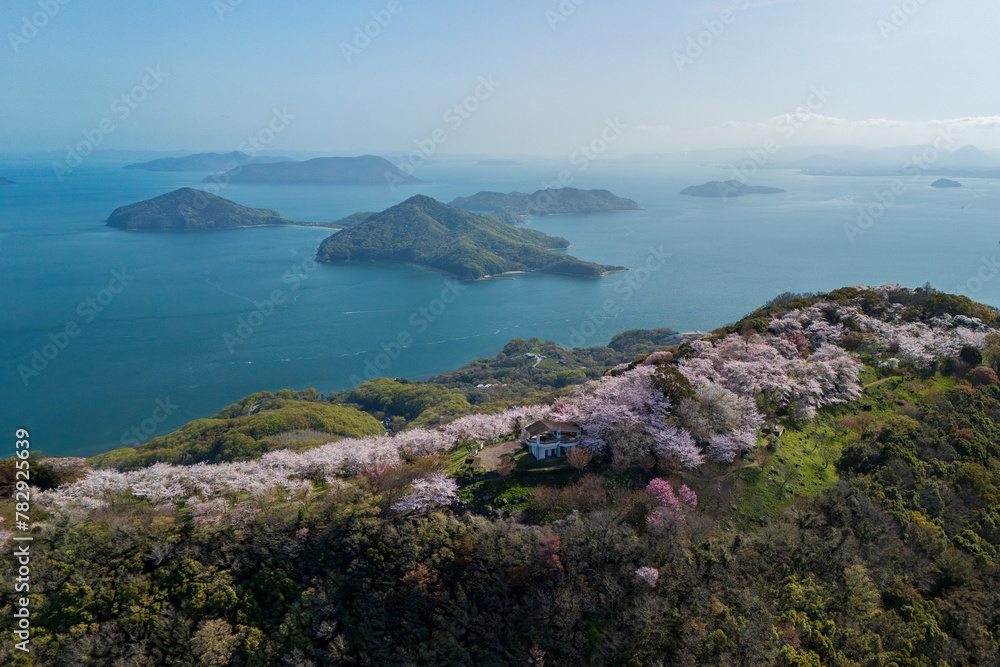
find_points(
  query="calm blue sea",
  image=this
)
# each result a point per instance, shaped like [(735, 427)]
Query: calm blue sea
[(162, 343)]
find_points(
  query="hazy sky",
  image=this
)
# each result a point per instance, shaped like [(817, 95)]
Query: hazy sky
[(890, 72)]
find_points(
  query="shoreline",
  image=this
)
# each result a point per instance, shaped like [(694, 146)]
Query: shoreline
[(491, 276)]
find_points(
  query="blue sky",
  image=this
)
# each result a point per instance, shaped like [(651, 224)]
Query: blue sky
[(896, 72)]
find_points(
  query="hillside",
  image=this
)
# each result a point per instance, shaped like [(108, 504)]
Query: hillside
[(322, 170), (257, 424), (816, 484), (425, 232), (546, 202), (728, 189), (204, 162), (191, 209)]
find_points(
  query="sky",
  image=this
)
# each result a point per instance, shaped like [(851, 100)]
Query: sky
[(530, 77)]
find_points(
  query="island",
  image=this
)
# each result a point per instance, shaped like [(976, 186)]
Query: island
[(945, 183), (190, 209), (552, 201), (4, 181), (729, 189), (204, 162), (469, 246), (322, 170)]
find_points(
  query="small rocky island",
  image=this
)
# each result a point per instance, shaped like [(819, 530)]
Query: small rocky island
[(729, 189), (204, 162), (469, 246), (553, 201), (945, 183), (365, 169), (188, 208)]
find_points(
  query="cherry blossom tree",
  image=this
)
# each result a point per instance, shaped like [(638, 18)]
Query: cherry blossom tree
[(429, 492)]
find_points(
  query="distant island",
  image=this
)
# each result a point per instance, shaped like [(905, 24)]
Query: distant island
[(4, 181), (728, 189), (554, 201), (470, 246), (204, 162), (189, 209), (945, 183), (322, 170)]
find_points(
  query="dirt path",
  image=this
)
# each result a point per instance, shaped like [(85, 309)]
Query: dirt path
[(492, 454), (882, 381)]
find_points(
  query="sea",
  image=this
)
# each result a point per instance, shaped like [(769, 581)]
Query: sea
[(110, 338)]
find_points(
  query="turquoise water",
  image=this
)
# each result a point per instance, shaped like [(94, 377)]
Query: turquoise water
[(173, 333)]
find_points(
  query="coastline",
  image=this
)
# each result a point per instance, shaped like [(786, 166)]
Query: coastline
[(491, 276)]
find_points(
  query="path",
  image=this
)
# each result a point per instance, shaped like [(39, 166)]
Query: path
[(882, 381), (492, 454)]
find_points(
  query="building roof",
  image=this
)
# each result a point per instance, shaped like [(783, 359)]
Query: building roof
[(544, 425)]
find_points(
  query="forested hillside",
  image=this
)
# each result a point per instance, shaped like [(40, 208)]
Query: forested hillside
[(817, 484)]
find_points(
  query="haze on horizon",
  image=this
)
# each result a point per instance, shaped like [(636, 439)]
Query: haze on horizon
[(536, 77)]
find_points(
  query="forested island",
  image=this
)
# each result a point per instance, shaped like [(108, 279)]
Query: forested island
[(553, 201), (945, 183), (814, 484), (322, 171), (204, 162), (728, 189), (427, 233), (191, 209)]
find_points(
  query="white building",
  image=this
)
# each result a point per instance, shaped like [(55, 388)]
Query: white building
[(548, 439)]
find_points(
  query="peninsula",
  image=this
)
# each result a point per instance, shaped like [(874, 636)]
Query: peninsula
[(189, 209), (553, 201), (728, 189), (321, 170), (470, 246)]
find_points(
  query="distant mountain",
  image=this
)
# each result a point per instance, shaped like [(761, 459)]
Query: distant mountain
[(965, 161), (728, 189), (323, 170), (192, 209), (4, 181), (425, 232), (945, 183), (546, 202), (204, 162)]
